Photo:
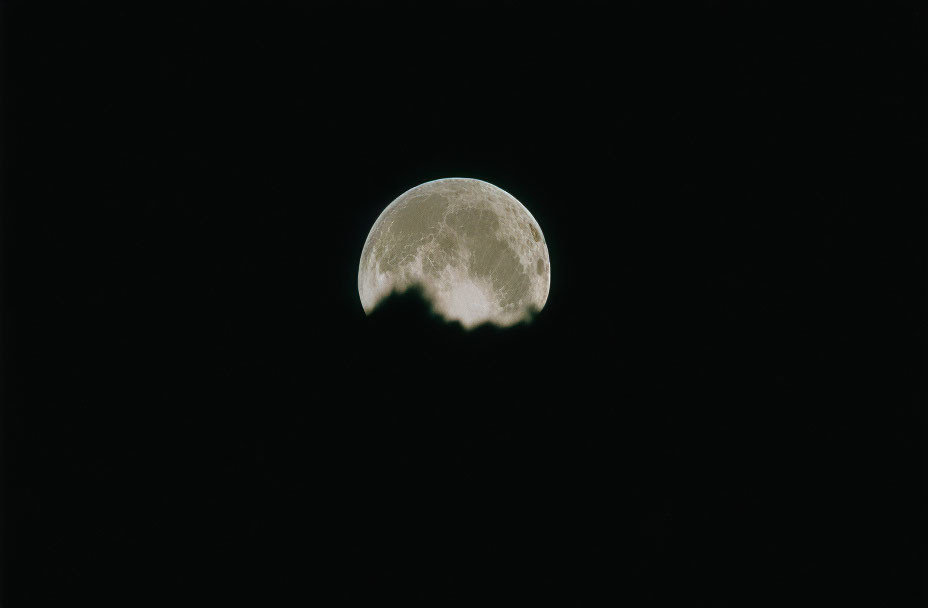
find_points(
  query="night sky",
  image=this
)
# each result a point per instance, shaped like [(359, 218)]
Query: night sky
[(721, 404)]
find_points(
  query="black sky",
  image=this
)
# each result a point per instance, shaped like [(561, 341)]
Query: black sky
[(722, 402)]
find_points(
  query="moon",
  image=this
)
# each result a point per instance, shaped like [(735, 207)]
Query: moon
[(477, 253)]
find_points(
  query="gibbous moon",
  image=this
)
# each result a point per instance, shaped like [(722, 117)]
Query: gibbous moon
[(477, 253)]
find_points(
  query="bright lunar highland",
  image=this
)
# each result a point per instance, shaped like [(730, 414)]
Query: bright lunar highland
[(477, 253)]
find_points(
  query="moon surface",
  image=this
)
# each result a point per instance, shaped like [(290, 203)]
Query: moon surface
[(477, 253)]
